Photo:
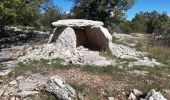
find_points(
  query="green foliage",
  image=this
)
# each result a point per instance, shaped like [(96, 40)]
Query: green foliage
[(51, 13), (26, 12), (151, 22), (8, 12), (107, 11), (104, 69)]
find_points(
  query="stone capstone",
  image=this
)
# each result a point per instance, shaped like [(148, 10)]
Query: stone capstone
[(57, 86), (76, 23)]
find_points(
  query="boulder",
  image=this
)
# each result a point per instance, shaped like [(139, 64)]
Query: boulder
[(76, 23), (132, 97), (99, 37), (23, 94), (57, 86), (125, 52), (65, 37), (153, 95), (27, 86)]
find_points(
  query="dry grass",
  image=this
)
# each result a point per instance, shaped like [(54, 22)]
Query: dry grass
[(161, 53)]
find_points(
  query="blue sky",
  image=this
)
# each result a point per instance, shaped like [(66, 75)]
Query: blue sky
[(141, 5)]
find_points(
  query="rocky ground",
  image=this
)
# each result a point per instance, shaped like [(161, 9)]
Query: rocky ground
[(130, 74)]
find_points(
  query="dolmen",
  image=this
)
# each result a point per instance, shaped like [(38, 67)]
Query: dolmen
[(72, 33)]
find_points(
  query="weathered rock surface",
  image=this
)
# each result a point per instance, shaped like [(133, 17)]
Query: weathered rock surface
[(77, 23), (151, 95), (61, 90), (147, 63), (125, 52), (65, 37), (99, 37), (5, 72), (27, 86), (23, 94)]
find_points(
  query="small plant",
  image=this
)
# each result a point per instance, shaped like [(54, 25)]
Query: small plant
[(111, 93), (98, 69), (78, 87), (2, 66)]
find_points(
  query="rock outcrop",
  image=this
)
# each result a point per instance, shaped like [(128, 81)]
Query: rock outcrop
[(151, 95), (57, 86)]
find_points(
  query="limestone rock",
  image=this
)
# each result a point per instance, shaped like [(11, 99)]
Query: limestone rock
[(95, 61), (23, 94), (13, 83), (132, 96), (5, 72), (147, 63), (27, 86), (10, 91), (99, 37), (65, 37), (111, 98), (153, 95), (76, 23), (136, 92), (125, 52), (58, 86), (3, 89)]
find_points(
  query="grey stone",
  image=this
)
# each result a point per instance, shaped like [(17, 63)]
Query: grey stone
[(153, 95), (57, 85), (147, 63), (110, 98), (5, 72), (125, 52), (23, 94), (65, 37), (136, 92), (27, 86), (99, 37), (19, 78), (76, 23), (13, 83), (132, 96), (10, 91)]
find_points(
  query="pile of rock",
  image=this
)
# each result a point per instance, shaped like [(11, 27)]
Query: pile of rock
[(24, 87), (71, 34), (58, 86), (151, 95), (21, 35), (126, 52)]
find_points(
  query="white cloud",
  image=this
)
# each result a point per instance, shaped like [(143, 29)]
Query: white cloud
[(169, 15), (67, 12)]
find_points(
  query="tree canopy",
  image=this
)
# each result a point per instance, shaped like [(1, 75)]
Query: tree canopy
[(25, 12), (107, 11)]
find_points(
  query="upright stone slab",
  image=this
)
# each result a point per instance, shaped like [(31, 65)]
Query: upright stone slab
[(65, 37), (99, 37)]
